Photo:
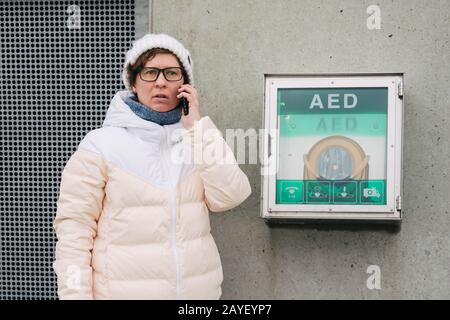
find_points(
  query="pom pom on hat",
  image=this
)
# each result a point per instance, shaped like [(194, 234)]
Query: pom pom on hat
[(164, 41)]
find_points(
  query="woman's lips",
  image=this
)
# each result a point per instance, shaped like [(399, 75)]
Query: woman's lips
[(160, 98)]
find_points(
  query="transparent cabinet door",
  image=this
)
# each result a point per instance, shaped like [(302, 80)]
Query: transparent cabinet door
[(332, 146)]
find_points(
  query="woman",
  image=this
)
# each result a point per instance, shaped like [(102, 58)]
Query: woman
[(132, 219)]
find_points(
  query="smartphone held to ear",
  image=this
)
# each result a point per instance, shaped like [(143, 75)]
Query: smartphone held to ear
[(185, 106)]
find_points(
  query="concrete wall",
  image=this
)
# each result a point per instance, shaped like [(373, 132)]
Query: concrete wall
[(233, 44)]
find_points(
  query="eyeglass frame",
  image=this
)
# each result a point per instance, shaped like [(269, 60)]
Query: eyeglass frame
[(159, 72)]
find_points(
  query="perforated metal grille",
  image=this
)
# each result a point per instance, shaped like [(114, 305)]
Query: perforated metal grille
[(56, 83)]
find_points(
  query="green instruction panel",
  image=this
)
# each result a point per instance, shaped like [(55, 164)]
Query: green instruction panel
[(332, 146), (358, 192)]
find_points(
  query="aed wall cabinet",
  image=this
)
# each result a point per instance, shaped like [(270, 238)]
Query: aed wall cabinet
[(332, 147)]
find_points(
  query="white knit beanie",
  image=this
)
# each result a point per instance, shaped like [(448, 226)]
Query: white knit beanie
[(164, 41)]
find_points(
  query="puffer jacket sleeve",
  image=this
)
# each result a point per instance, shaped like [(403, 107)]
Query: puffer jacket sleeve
[(226, 185), (78, 210)]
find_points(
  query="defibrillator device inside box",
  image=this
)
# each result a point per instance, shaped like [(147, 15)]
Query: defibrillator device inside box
[(332, 147)]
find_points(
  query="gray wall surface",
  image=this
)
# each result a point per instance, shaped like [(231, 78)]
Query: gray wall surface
[(233, 43)]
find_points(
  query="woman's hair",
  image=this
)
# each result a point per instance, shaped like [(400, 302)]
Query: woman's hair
[(134, 69)]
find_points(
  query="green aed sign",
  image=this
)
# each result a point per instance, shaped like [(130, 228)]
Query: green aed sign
[(332, 146), (333, 111)]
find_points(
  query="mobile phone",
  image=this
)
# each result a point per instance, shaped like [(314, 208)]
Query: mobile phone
[(185, 106)]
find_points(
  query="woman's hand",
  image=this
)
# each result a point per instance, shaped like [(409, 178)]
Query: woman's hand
[(190, 93)]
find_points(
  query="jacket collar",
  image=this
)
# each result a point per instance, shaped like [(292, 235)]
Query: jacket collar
[(119, 114)]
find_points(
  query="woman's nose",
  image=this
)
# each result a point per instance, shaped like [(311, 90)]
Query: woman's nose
[(161, 80)]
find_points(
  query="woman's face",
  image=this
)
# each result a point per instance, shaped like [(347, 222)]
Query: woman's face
[(159, 95)]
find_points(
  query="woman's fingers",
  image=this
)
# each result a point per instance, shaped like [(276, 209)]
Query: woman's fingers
[(185, 95), (190, 93), (188, 88)]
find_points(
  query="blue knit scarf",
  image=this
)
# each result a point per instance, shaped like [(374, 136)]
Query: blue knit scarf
[(161, 118)]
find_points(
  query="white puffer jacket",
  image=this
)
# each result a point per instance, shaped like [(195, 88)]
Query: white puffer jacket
[(132, 219)]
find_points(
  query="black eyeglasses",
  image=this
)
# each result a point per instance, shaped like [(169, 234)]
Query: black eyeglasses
[(150, 74)]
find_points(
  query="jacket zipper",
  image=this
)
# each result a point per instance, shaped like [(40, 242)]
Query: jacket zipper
[(174, 240), (173, 210)]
